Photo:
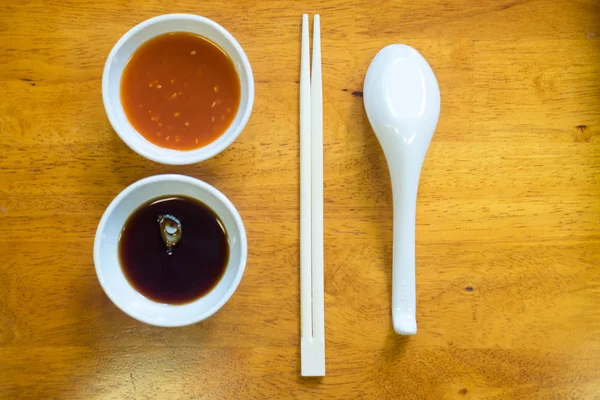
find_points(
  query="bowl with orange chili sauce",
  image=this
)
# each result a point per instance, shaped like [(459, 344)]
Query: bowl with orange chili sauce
[(178, 88)]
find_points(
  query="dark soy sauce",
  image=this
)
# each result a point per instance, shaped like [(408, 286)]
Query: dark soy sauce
[(196, 263)]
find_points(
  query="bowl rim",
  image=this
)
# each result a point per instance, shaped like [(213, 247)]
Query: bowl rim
[(171, 156), (185, 180)]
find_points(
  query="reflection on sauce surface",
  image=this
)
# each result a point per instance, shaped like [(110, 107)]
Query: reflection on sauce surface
[(180, 91)]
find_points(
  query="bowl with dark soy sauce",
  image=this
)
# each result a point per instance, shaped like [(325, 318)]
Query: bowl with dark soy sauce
[(178, 88), (170, 250)]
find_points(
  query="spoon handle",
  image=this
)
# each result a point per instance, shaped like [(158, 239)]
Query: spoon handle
[(404, 187)]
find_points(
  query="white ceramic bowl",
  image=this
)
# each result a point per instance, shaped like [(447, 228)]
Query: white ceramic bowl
[(106, 257), (126, 46)]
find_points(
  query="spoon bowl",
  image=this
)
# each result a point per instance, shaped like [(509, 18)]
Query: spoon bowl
[(402, 101)]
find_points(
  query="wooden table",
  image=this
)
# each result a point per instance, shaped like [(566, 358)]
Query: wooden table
[(508, 221)]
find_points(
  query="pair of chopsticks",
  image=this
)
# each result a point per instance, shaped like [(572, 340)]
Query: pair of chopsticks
[(312, 309)]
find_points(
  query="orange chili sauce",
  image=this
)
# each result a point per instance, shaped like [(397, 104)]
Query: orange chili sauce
[(180, 91)]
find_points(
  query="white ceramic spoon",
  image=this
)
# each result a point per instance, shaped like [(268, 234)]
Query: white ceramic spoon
[(402, 100)]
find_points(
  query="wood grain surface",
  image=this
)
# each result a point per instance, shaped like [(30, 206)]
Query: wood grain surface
[(508, 218)]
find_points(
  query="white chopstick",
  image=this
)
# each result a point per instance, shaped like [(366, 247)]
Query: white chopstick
[(311, 206), (316, 109), (305, 198)]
